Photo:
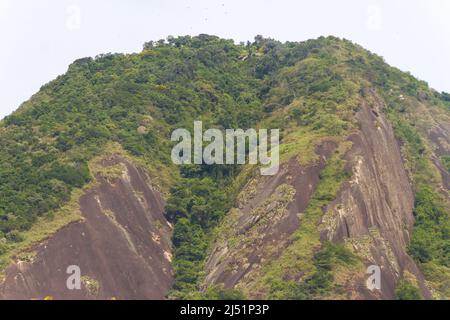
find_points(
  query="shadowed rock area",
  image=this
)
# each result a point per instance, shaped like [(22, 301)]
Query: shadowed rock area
[(122, 246)]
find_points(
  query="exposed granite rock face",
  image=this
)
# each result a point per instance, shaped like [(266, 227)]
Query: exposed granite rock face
[(373, 211), (260, 226), (122, 246)]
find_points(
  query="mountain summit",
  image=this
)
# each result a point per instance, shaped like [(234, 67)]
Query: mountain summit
[(359, 208)]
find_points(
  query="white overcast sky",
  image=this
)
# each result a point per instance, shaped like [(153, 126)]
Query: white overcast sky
[(40, 38)]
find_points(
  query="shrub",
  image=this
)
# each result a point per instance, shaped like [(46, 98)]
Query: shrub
[(406, 290), (14, 236)]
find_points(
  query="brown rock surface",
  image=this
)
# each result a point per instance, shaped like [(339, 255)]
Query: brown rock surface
[(265, 220), (122, 246), (373, 212), (374, 209)]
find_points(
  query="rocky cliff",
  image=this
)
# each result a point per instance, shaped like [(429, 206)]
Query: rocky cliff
[(121, 245), (372, 214)]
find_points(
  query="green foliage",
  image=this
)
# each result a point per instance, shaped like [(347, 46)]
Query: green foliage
[(3, 248), (444, 98), (135, 100), (199, 199), (196, 204), (431, 237), (406, 290), (321, 281), (446, 162), (14, 236), (218, 292), (138, 99), (72, 175)]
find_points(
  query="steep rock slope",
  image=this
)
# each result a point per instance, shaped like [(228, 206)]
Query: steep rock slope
[(122, 245), (373, 211), (372, 214), (268, 212)]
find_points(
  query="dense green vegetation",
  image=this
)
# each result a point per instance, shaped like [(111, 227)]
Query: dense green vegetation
[(446, 162), (196, 204), (432, 229), (133, 99), (407, 291), (321, 281)]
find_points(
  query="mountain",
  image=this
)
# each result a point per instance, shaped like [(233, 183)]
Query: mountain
[(87, 179)]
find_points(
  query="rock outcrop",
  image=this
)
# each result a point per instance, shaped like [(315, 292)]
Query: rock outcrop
[(121, 245), (372, 212), (267, 214)]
